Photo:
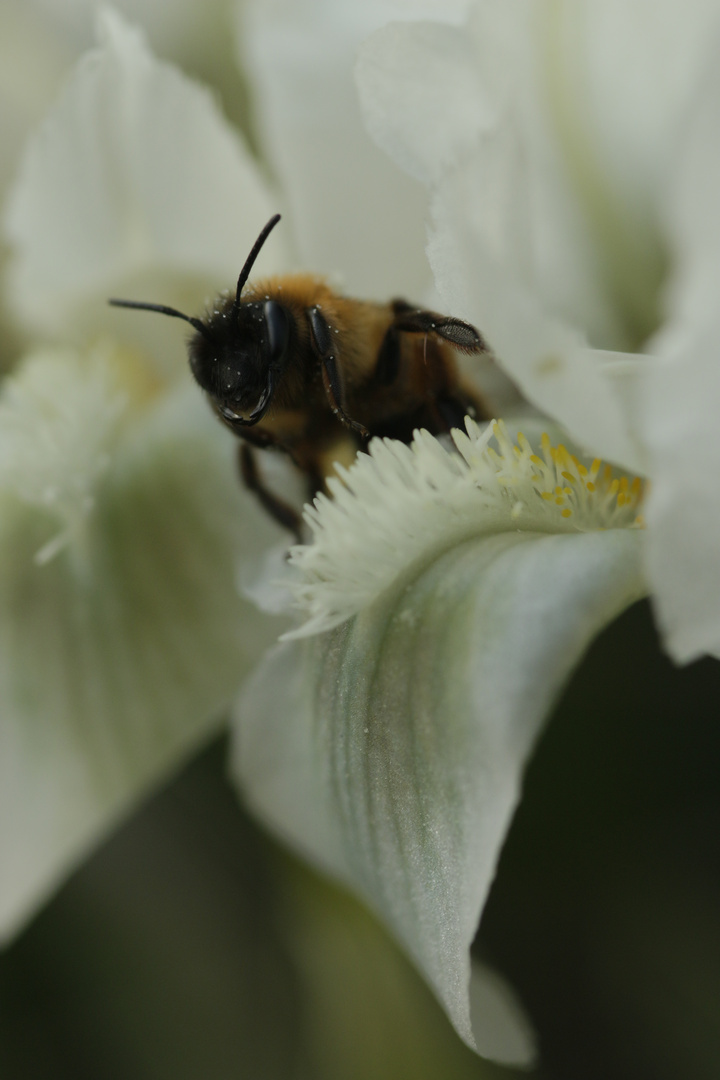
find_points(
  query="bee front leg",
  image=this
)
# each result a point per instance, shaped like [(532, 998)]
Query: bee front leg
[(276, 507), (322, 341)]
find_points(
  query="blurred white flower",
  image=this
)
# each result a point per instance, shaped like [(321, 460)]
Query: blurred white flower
[(573, 157), (123, 522)]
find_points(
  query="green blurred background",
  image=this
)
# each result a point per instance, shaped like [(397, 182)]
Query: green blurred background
[(191, 946)]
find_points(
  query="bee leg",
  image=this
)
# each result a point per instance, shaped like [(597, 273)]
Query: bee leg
[(417, 321), (452, 410), (276, 507), (322, 341), (387, 364)]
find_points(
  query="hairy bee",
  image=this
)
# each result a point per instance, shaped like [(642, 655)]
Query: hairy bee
[(290, 363)]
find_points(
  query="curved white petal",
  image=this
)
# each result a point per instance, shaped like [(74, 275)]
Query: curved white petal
[(390, 751), (122, 636), (135, 185), (354, 214), (499, 1024), (631, 68), (399, 71), (679, 415), (474, 210), (509, 246)]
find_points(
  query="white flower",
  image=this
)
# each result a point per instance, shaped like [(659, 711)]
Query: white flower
[(389, 749), (122, 520), (573, 156)]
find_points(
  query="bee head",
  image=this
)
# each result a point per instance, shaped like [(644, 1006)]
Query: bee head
[(238, 354)]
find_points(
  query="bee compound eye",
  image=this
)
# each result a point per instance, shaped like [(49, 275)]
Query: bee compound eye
[(277, 322)]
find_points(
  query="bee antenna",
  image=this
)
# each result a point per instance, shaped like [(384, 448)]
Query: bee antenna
[(245, 272), (164, 310)]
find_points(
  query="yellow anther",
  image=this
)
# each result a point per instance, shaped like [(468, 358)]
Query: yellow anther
[(590, 486), (547, 495), (536, 460), (569, 476), (566, 513)]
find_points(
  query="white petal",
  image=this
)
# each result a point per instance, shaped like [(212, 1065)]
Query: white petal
[(634, 68), (390, 751), (135, 185), (119, 652), (444, 100), (478, 221), (499, 1024), (32, 62), (679, 411), (508, 246), (194, 34), (400, 71), (354, 213), (683, 508)]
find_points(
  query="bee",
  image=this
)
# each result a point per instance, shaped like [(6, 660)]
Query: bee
[(288, 362)]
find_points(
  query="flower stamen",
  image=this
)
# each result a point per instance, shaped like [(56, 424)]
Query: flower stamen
[(399, 506)]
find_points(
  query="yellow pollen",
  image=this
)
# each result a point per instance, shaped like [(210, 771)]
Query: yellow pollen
[(591, 495)]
